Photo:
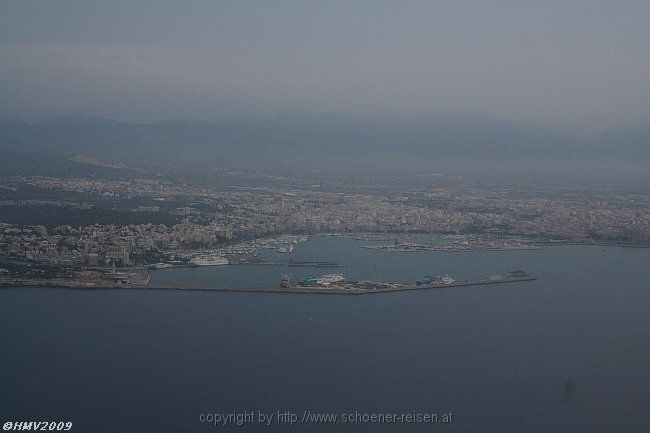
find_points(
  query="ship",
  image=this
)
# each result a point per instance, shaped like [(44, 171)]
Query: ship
[(285, 281), (439, 280), (160, 266), (209, 261), (445, 279), (323, 280), (309, 281), (286, 249), (518, 274), (326, 280)]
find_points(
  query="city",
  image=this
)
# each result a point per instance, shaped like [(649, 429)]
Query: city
[(156, 220), (324, 216)]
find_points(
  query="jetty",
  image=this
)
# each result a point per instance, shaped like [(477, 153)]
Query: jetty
[(347, 288), (308, 263)]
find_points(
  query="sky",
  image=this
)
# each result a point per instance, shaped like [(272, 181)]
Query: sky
[(576, 66)]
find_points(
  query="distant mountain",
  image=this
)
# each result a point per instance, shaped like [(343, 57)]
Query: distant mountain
[(443, 134), (45, 164), (123, 142), (628, 143), (329, 138)]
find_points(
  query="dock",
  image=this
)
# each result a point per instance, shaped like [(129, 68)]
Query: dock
[(309, 263), (352, 288), (312, 263)]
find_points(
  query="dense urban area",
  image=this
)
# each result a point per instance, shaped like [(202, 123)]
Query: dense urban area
[(67, 226)]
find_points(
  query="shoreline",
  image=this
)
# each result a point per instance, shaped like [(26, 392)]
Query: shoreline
[(334, 290), (393, 249)]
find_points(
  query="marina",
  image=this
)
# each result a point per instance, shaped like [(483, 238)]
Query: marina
[(346, 268), (461, 246)]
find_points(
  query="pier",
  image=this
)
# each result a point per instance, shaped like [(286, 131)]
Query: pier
[(352, 288), (310, 263)]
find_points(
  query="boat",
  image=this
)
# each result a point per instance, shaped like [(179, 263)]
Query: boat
[(309, 281), (438, 280), (517, 274), (323, 280), (286, 249), (160, 266), (445, 279), (326, 280), (209, 261), (285, 281)]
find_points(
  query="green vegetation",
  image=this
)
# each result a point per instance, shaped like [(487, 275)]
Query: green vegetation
[(34, 271), (53, 216)]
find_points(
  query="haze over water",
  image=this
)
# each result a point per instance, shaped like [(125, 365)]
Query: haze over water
[(146, 133), (576, 66), (564, 353)]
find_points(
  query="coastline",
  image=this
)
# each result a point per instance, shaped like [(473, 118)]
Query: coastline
[(345, 289)]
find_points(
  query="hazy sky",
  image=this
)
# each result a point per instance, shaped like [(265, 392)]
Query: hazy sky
[(578, 66)]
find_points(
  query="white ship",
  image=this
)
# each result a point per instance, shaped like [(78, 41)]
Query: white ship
[(286, 249), (160, 266), (209, 261), (445, 279), (326, 280)]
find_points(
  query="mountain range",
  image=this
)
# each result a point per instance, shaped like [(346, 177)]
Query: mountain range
[(300, 138)]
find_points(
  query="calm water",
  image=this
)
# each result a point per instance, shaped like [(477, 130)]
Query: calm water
[(500, 357)]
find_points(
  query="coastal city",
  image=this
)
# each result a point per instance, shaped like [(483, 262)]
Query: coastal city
[(156, 222), (324, 216)]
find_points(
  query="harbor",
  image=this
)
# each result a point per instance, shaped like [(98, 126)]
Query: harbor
[(457, 246), (321, 265), (222, 261), (336, 283), (303, 263), (333, 284)]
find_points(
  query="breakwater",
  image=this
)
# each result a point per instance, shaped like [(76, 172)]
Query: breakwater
[(352, 288)]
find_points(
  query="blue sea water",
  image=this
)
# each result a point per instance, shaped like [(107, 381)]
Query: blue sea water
[(566, 353)]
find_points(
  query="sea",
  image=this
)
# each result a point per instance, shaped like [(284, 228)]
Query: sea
[(569, 352)]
